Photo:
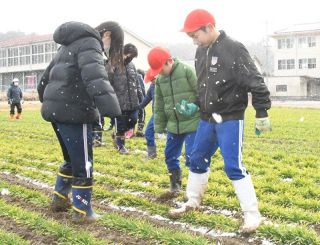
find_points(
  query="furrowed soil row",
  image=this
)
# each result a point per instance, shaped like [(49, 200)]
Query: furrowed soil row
[(28, 234), (98, 230)]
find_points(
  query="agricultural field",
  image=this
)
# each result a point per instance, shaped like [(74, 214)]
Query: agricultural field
[(285, 166)]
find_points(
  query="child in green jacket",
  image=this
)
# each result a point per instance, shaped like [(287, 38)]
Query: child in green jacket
[(176, 84)]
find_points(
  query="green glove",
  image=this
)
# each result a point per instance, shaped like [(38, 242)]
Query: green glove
[(187, 109), (262, 125)]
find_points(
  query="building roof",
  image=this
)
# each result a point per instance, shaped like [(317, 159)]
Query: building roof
[(24, 40), (137, 37), (29, 39), (299, 29)]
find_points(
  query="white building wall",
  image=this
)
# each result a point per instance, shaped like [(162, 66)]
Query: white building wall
[(296, 86), (31, 67), (297, 53)]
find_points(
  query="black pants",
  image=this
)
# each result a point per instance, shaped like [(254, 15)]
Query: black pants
[(127, 120), (76, 145), (12, 107), (97, 128)]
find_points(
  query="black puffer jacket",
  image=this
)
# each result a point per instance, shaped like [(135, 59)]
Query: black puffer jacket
[(75, 85), (126, 86), (226, 73), (14, 93)]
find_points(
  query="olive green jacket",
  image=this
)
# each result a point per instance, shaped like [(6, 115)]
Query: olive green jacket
[(170, 90)]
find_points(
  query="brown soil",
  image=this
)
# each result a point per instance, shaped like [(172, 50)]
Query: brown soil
[(102, 232), (25, 232)]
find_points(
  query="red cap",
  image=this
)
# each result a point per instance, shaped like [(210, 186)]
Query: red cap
[(196, 19), (157, 57), (148, 77)]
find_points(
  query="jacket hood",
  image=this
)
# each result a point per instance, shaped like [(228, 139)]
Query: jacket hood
[(72, 31)]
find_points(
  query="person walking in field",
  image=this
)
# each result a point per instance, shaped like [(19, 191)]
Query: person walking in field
[(175, 83), (226, 73), (15, 99), (149, 133), (142, 112), (74, 91)]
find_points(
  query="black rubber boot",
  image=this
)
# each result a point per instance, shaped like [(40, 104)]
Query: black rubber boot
[(152, 152), (175, 180), (175, 185)]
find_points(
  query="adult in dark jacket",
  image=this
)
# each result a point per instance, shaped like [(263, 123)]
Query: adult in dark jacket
[(74, 89), (15, 99), (226, 73)]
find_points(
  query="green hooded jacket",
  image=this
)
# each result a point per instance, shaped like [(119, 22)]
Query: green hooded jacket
[(170, 90)]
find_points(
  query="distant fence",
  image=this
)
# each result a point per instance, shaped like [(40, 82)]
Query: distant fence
[(296, 98)]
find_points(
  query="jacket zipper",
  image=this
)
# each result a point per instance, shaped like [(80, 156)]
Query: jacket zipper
[(207, 80), (174, 104)]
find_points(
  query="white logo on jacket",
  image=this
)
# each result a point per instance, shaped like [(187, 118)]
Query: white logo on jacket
[(214, 60)]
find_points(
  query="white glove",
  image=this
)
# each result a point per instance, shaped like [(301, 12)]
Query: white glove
[(262, 125)]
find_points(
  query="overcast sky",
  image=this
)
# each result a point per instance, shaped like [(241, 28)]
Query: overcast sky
[(159, 20)]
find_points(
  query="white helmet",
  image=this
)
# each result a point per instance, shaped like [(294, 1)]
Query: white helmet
[(15, 80)]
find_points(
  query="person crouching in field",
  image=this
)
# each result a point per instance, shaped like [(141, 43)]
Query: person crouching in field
[(226, 73), (175, 83), (73, 90)]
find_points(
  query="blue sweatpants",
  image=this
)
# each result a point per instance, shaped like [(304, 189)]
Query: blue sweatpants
[(77, 141), (228, 136), (149, 133), (174, 147)]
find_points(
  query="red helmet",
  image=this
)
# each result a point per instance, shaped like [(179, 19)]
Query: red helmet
[(157, 57), (196, 19)]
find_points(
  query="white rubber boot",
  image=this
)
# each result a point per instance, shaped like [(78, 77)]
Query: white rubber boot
[(249, 204), (197, 185)]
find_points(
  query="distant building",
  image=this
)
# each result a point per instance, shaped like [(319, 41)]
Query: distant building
[(297, 62), (27, 57)]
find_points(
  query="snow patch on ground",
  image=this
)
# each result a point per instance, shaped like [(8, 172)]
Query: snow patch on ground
[(4, 192), (202, 230)]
